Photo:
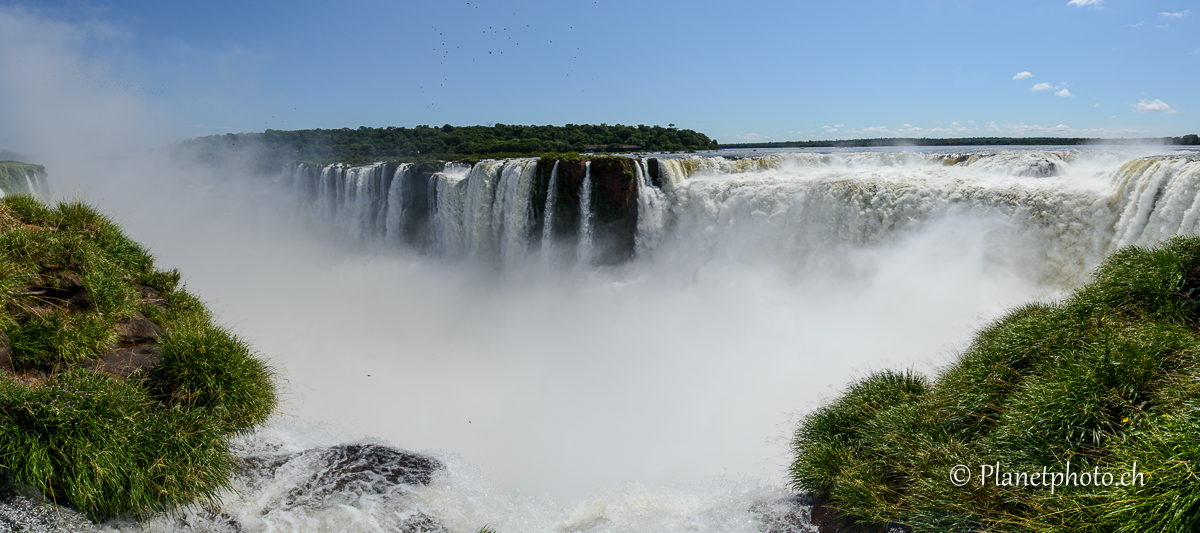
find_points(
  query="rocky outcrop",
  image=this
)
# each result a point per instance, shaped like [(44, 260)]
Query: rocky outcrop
[(343, 475), (357, 468), (614, 201)]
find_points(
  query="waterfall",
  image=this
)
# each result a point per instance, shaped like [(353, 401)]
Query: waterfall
[(1157, 198), (548, 215), (394, 208), (1072, 206), (512, 210), (585, 217), (23, 178), (652, 203)]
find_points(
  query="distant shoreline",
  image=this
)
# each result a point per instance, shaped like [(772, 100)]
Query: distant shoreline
[(1186, 140)]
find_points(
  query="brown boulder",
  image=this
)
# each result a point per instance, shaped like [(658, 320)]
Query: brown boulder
[(151, 296), (126, 361), (137, 329)]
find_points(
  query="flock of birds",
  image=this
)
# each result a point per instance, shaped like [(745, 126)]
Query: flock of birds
[(494, 47)]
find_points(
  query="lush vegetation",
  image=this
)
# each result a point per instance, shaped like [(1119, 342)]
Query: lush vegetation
[(970, 141), (445, 142), (113, 444), (1105, 379)]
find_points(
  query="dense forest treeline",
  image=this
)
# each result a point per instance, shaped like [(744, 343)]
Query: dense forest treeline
[(447, 142), (1191, 139)]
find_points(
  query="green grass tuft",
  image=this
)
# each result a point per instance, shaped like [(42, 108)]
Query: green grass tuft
[(104, 444), (1104, 379)]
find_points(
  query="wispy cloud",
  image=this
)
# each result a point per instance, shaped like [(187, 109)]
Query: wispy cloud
[(1097, 104), (1063, 129), (1023, 75), (1025, 129), (1041, 87), (1154, 106), (1138, 25), (1085, 3), (753, 137), (1063, 93), (1178, 15), (1196, 51)]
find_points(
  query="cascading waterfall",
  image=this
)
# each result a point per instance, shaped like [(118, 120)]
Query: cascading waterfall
[(548, 217), (22, 178), (1157, 198), (393, 207), (586, 223), (652, 204), (511, 213), (1077, 205), (484, 212)]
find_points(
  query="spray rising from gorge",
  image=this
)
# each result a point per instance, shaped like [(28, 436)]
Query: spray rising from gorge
[(460, 310)]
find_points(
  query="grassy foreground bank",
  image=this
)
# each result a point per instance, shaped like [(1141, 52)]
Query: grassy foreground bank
[(118, 393), (1107, 379)]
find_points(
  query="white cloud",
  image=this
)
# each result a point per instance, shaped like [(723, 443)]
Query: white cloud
[(1023, 75), (908, 125), (876, 129), (1157, 106), (1063, 93), (1085, 3), (1025, 129), (1138, 25), (1063, 130), (1196, 51), (970, 122), (1114, 116), (1178, 15), (1164, 26), (954, 124), (1041, 87), (753, 137), (839, 125)]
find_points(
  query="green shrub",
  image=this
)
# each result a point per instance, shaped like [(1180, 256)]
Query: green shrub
[(1104, 379), (107, 445), (208, 369)]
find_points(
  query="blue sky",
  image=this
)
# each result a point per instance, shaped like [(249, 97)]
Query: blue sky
[(753, 70)]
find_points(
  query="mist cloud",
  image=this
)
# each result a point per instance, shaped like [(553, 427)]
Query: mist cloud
[(58, 95)]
